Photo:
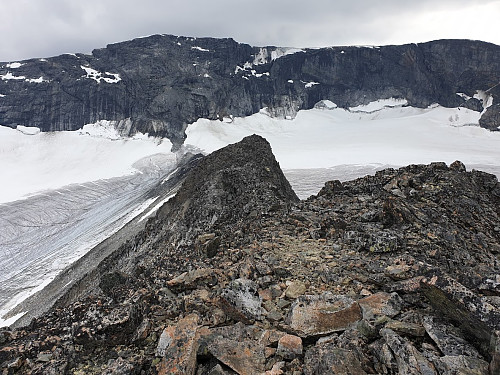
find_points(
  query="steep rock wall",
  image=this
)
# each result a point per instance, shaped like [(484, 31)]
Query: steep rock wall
[(162, 83)]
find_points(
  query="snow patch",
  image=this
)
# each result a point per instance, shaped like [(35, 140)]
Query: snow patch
[(377, 105), (98, 76), (261, 57), (325, 104), (463, 96), (14, 65), (101, 129), (7, 322), (28, 130), (157, 206), (9, 76), (485, 98), (283, 51), (266, 55), (200, 49), (310, 84), (37, 80)]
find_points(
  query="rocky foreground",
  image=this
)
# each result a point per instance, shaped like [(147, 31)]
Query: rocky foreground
[(396, 273)]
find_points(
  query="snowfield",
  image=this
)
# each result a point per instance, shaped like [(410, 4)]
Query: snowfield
[(329, 142), (64, 192), (31, 162)]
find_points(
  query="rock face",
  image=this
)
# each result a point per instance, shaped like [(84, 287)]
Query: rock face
[(162, 83), (395, 273), (491, 118)]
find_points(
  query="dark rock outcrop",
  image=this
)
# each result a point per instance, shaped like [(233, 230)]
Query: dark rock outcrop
[(491, 118), (395, 273), (162, 83)]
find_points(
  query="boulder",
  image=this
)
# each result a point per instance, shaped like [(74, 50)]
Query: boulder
[(177, 346), (237, 346), (193, 279), (327, 359), (448, 338), (289, 346), (490, 119), (409, 359), (381, 304), (242, 294), (316, 315), (295, 289), (462, 365)]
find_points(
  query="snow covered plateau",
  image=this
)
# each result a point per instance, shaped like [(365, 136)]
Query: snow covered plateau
[(64, 192)]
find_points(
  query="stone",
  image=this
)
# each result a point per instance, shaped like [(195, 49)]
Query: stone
[(218, 370), (192, 279), (242, 294), (406, 328), (44, 357), (289, 346), (446, 296), (276, 369), (458, 166), (381, 304), (327, 359), (313, 315), (118, 366), (295, 289), (178, 345), (385, 362), (270, 337), (447, 338), (409, 359), (490, 119), (462, 365), (237, 346)]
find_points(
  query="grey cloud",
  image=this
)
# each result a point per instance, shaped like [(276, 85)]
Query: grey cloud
[(49, 27)]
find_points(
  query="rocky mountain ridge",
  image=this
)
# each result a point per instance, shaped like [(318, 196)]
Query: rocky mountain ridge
[(162, 83), (395, 273)]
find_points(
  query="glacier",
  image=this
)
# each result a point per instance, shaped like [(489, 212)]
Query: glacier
[(63, 193)]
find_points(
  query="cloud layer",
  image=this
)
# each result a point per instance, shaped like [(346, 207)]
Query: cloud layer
[(45, 28)]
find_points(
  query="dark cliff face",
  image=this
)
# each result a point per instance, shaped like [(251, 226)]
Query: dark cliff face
[(163, 83)]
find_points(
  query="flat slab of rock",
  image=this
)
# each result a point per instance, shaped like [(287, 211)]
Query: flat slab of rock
[(289, 346), (178, 346), (314, 315), (327, 359), (380, 304), (192, 279), (237, 346)]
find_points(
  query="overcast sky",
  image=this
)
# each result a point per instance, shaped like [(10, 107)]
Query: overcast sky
[(44, 28)]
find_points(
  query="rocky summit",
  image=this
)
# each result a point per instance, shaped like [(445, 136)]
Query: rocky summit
[(395, 273), (162, 83)]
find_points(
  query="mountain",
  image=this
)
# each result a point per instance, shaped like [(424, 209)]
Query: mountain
[(162, 83), (395, 273)]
